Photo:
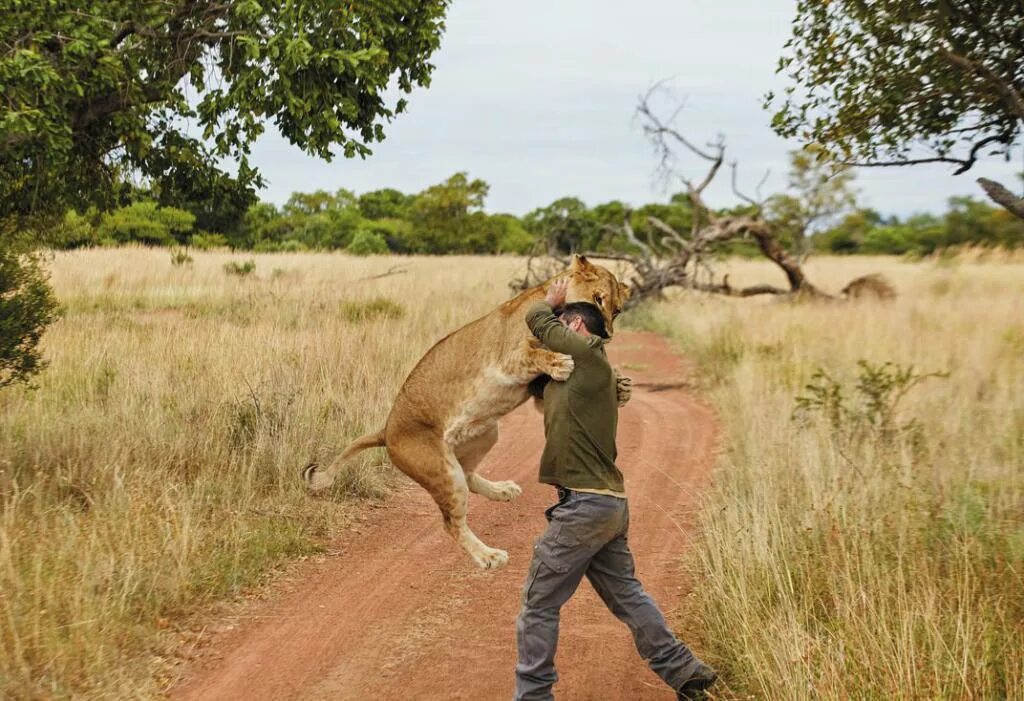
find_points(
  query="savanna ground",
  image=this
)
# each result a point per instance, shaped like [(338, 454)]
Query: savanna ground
[(852, 546)]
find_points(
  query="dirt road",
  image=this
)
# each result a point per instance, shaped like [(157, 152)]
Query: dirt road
[(401, 613)]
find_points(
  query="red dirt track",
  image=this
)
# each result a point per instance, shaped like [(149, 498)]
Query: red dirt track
[(399, 612)]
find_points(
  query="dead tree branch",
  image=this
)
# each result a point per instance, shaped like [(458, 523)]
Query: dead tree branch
[(687, 261)]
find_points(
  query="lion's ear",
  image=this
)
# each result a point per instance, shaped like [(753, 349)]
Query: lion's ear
[(579, 263), (625, 291)]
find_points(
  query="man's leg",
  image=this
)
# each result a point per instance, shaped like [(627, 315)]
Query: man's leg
[(576, 531), (612, 573)]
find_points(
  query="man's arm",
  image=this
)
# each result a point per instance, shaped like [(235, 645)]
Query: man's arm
[(553, 334)]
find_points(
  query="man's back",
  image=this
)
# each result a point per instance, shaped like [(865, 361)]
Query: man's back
[(580, 414)]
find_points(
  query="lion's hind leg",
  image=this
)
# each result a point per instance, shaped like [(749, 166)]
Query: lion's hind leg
[(470, 454), (428, 460)]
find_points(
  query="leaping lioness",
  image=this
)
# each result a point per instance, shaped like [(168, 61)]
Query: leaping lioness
[(445, 417)]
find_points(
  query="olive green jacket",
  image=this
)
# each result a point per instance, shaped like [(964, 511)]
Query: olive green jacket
[(580, 414)]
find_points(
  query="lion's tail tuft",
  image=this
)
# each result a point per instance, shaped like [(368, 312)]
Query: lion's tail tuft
[(318, 479)]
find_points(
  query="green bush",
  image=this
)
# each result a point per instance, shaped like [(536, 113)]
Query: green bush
[(370, 309), (206, 241), (147, 223), (240, 269), (75, 231), (27, 306), (367, 243)]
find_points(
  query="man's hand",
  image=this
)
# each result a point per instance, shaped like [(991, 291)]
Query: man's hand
[(623, 388), (556, 293)]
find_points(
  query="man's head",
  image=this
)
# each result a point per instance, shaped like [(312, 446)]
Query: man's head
[(584, 318)]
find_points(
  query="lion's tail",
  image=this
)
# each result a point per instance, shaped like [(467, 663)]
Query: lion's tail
[(318, 479)]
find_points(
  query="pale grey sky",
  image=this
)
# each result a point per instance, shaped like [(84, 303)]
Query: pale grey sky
[(537, 96)]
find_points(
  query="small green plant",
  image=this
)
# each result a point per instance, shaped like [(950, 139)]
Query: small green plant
[(370, 309), (240, 269), (870, 407), (180, 257)]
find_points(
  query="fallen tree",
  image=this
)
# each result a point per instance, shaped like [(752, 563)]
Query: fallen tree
[(686, 260)]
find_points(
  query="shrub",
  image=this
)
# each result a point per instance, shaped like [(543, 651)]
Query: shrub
[(240, 269), (27, 306), (870, 410), (75, 231), (367, 243), (180, 257), (370, 309), (148, 223), (205, 241)]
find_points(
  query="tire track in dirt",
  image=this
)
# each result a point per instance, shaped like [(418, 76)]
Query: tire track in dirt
[(402, 613)]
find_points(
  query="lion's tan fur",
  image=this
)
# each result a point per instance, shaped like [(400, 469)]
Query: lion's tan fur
[(445, 417), (872, 286)]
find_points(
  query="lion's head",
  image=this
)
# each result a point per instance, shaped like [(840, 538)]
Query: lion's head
[(594, 284)]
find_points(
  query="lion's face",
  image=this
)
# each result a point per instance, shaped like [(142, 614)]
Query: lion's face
[(594, 284)]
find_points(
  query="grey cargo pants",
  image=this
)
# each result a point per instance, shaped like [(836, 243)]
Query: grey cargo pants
[(586, 535)]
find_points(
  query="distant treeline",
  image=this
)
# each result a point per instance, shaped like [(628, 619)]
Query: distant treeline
[(449, 218)]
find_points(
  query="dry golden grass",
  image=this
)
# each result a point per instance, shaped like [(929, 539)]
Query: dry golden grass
[(844, 561), (156, 466)]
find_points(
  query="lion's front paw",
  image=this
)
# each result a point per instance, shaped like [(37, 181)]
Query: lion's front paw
[(623, 389), (490, 558), (507, 490), (561, 367)]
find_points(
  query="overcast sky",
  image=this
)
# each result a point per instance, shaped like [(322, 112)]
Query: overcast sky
[(536, 97)]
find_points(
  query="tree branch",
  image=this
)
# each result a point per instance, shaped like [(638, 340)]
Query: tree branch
[(1002, 196), (1010, 95)]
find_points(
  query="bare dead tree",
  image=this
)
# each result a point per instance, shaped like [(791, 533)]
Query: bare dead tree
[(686, 260)]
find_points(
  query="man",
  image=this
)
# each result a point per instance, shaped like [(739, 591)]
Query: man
[(587, 527)]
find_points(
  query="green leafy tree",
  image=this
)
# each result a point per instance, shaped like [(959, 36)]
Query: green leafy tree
[(898, 82), (170, 89), (385, 204), (848, 234), (318, 220), (261, 221), (565, 225), (448, 217)]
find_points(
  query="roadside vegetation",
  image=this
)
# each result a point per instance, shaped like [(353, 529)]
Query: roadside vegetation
[(155, 467), (864, 536)]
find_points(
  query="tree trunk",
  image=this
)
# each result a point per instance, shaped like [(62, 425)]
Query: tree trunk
[(774, 251)]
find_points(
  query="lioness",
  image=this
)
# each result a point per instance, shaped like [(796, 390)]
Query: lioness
[(445, 417)]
